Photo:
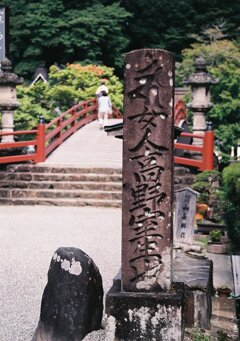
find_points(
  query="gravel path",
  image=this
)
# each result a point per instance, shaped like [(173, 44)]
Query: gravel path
[(28, 238)]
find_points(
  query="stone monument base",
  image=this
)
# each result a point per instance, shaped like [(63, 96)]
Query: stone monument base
[(144, 316), (197, 275)]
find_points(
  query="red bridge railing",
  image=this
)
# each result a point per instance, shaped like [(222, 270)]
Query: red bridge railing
[(8, 148), (66, 124), (47, 137), (204, 151)]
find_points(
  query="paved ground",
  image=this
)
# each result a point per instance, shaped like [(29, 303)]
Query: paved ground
[(30, 235), (28, 238)]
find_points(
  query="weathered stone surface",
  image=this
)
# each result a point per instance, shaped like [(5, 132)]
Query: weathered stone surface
[(200, 82), (224, 317), (28, 186), (202, 309), (8, 98), (72, 300), (147, 171), (141, 305), (4, 193), (217, 248), (61, 202), (197, 275), (184, 216), (144, 316), (58, 169)]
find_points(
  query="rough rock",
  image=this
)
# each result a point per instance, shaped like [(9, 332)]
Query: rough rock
[(72, 302)]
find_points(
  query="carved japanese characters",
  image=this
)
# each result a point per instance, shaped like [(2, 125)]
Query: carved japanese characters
[(147, 171)]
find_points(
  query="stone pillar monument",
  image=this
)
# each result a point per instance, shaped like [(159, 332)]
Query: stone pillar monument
[(143, 303), (147, 171), (200, 82), (8, 98)]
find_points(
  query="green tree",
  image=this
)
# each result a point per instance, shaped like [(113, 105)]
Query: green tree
[(223, 58), (100, 31), (171, 24), (65, 88), (54, 31), (33, 104)]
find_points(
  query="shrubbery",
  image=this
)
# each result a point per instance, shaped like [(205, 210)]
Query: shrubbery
[(65, 88), (207, 184), (231, 186)]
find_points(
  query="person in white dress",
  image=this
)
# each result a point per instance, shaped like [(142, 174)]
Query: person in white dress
[(104, 109)]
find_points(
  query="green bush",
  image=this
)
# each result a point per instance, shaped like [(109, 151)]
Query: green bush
[(231, 186), (65, 88), (215, 236), (197, 334), (207, 184), (203, 188)]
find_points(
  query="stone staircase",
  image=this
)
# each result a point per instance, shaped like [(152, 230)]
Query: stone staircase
[(60, 186), (68, 186)]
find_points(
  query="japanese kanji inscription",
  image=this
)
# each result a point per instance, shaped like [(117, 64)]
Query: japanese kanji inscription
[(147, 171)]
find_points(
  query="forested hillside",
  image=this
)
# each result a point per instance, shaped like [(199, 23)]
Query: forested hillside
[(99, 32)]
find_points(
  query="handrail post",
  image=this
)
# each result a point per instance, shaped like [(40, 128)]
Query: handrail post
[(59, 134), (73, 114), (41, 152), (95, 111), (208, 147)]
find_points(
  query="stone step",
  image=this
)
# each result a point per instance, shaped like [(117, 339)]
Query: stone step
[(51, 193), (61, 202), (67, 185), (89, 177), (32, 176), (56, 169), (42, 183)]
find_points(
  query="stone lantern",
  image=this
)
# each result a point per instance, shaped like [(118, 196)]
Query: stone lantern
[(8, 98), (200, 82)]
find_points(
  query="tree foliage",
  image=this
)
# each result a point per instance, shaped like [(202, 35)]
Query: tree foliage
[(231, 176), (54, 31), (100, 31), (65, 88), (172, 24), (223, 59)]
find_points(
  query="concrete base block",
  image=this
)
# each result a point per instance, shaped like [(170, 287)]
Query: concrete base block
[(144, 316)]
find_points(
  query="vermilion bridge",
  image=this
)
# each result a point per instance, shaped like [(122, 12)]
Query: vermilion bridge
[(47, 137)]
